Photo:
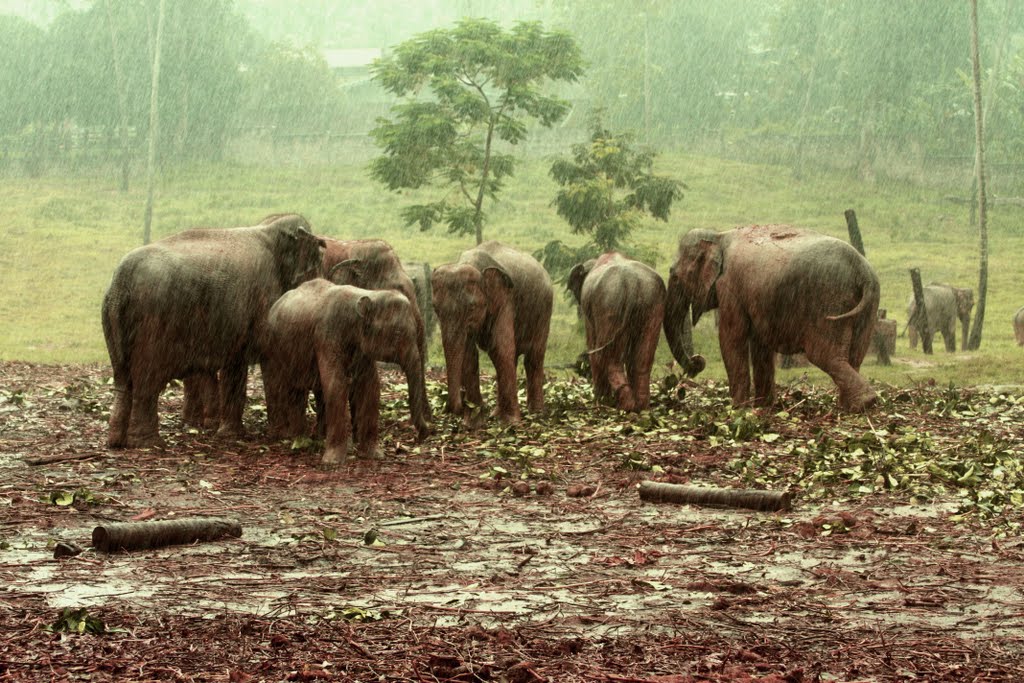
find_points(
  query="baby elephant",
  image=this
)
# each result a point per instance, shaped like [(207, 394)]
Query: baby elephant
[(327, 335), (623, 303)]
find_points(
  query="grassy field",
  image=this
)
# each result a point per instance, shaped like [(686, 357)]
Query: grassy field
[(61, 238)]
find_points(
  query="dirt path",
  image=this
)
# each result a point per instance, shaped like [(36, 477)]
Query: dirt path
[(426, 566)]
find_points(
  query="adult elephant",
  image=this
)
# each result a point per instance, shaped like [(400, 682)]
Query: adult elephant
[(944, 305), (623, 304), (419, 273), (777, 289), (329, 337), (1018, 326), (195, 303), (498, 299)]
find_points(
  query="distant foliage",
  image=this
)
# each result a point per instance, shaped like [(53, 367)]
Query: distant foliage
[(468, 88), (607, 187)]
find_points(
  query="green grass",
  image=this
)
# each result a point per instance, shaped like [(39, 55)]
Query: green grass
[(62, 237)]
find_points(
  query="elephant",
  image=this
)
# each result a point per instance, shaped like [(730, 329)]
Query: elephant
[(623, 303), (777, 289), (1018, 326), (498, 299), (328, 337), (419, 273), (195, 303), (944, 305)]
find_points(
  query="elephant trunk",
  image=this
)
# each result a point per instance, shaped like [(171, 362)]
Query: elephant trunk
[(679, 329), (454, 358), (419, 407)]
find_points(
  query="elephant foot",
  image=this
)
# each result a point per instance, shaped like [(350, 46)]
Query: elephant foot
[(695, 366), (372, 453), (423, 431), (230, 431), (144, 441), (624, 399), (858, 402)]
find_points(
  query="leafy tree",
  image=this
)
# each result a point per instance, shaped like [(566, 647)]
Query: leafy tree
[(483, 83), (607, 187)]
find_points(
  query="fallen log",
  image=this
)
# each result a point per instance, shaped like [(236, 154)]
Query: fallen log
[(59, 457), (143, 535), (765, 501)]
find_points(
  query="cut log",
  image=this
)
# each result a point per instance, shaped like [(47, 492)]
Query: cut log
[(143, 535), (765, 501)]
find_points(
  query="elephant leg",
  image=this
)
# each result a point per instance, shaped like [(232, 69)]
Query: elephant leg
[(334, 384), (762, 362), (471, 375), (949, 336), (365, 398), (201, 400), (232, 399), (642, 359), (144, 424), (611, 359), (855, 394), (598, 366), (120, 416), (733, 333), (503, 356), (533, 363), (912, 336)]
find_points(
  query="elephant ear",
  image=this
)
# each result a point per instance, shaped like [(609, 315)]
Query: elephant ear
[(497, 286), (964, 301), (708, 266), (577, 275), (348, 272)]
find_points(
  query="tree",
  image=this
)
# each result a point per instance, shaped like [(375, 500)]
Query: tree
[(607, 188), (483, 81), (979, 169)]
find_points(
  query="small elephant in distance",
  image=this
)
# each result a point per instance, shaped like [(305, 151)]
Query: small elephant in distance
[(623, 303), (328, 336), (194, 304), (1018, 326), (944, 305), (498, 299), (777, 289)]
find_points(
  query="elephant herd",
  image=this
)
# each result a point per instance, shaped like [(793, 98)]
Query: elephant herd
[(318, 314)]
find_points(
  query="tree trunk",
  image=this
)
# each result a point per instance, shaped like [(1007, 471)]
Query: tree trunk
[(979, 174), (154, 117)]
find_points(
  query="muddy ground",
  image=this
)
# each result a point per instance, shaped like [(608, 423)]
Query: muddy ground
[(429, 565)]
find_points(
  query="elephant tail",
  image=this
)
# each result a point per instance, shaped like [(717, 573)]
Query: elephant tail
[(869, 292), (611, 340), (118, 328)]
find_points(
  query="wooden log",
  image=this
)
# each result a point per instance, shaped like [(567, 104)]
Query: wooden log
[(854, 229), (920, 317), (765, 501), (143, 535)]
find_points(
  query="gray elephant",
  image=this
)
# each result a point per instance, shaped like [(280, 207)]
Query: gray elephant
[(419, 273), (498, 299), (195, 303), (944, 305), (623, 304), (1018, 326), (777, 289), (329, 337)]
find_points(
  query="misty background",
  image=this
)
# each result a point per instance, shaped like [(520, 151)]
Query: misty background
[(878, 87)]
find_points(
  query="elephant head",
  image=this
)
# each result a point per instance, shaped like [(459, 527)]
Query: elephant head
[(465, 298), (299, 251), (389, 333), (577, 275), (691, 292)]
